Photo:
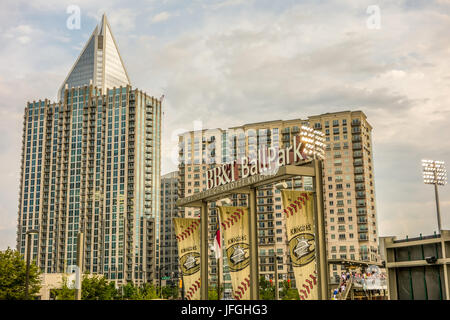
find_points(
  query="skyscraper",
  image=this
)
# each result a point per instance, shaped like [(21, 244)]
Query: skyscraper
[(99, 62), (349, 191), (91, 164), (168, 249)]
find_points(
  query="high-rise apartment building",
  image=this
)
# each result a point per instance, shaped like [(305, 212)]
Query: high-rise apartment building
[(91, 164), (168, 249), (349, 194), (99, 63), (349, 186)]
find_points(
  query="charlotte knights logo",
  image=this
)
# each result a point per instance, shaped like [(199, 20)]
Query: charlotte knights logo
[(238, 256), (190, 263), (302, 249)]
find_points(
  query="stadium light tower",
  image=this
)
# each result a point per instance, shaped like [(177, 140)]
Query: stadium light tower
[(434, 173)]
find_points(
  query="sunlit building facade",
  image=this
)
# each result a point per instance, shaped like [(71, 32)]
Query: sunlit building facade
[(349, 190), (91, 164)]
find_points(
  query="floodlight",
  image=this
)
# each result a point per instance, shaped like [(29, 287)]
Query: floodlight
[(225, 202), (281, 185), (434, 173)]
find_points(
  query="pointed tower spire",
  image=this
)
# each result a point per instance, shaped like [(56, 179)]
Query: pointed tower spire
[(99, 62)]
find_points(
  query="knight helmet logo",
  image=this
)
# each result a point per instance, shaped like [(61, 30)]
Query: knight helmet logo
[(302, 249), (190, 263), (238, 256)]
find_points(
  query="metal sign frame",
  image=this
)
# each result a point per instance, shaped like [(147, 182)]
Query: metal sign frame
[(248, 185)]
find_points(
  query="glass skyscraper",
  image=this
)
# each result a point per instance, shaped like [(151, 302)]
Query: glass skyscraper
[(99, 62), (91, 164)]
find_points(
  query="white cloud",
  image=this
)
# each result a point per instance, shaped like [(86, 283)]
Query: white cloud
[(248, 63), (162, 16)]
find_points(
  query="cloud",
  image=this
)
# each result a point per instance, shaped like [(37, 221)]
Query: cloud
[(162, 16), (21, 33), (257, 61)]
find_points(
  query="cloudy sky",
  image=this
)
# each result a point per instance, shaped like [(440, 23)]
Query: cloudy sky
[(230, 62)]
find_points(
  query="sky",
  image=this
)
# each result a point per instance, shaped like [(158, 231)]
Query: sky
[(230, 62)]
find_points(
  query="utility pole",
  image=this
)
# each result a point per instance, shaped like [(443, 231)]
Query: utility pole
[(438, 210), (27, 275), (80, 249), (218, 278)]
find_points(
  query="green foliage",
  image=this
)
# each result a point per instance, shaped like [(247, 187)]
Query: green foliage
[(98, 288), (93, 288), (170, 292), (129, 291), (13, 275), (212, 292), (64, 293), (266, 290), (288, 293), (146, 292)]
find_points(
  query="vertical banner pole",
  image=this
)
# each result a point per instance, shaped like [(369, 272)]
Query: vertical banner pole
[(204, 251), (322, 261), (254, 281), (218, 278)]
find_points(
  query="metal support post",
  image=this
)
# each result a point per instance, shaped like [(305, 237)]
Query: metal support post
[(321, 253), (204, 251), (27, 276), (438, 210), (254, 281)]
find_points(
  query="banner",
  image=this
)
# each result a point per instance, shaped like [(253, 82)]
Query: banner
[(187, 232), (299, 210), (237, 246)]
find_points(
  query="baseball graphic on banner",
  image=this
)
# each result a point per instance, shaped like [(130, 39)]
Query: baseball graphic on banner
[(299, 210), (236, 239), (187, 232)]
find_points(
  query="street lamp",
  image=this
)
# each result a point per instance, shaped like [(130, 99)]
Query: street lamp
[(159, 269), (434, 173), (225, 202), (27, 274), (277, 260), (281, 185)]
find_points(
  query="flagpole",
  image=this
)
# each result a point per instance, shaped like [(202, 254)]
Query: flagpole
[(218, 278), (219, 256)]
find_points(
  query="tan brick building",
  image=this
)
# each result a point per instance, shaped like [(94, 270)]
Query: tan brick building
[(349, 193)]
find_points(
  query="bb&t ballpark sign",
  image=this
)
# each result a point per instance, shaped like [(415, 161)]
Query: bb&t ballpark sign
[(267, 162)]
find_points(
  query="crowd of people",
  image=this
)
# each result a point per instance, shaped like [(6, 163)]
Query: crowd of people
[(359, 278)]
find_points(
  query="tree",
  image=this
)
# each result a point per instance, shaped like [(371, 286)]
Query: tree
[(170, 292), (288, 293), (97, 288), (266, 289), (146, 292), (13, 276), (93, 287), (129, 291), (212, 292), (64, 293)]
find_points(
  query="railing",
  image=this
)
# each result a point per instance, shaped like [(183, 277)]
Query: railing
[(348, 287), (369, 283)]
